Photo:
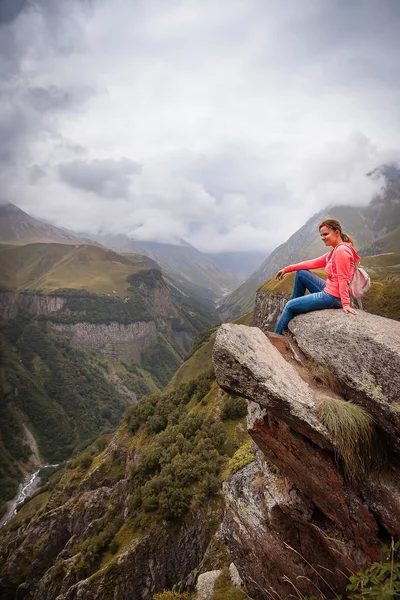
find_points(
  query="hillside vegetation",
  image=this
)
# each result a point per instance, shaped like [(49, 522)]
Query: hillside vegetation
[(184, 442), (66, 397), (63, 389)]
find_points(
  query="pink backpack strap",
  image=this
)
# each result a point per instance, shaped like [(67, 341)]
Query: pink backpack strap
[(356, 264)]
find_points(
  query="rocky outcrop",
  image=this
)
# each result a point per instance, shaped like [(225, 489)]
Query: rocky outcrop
[(8, 306), (292, 517), (268, 308), (205, 585), (36, 304), (112, 340)]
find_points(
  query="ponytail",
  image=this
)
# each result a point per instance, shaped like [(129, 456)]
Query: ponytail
[(336, 226), (347, 238)]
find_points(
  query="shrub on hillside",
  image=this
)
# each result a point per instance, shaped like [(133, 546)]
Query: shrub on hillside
[(181, 463), (234, 408), (242, 457)]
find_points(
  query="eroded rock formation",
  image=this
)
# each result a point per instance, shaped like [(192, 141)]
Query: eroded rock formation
[(112, 340), (293, 520), (34, 304)]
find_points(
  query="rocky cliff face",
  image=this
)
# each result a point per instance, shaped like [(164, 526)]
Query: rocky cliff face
[(115, 340), (8, 306), (112, 340), (295, 518), (34, 304)]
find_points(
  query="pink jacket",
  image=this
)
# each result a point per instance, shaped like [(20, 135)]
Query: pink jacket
[(340, 270)]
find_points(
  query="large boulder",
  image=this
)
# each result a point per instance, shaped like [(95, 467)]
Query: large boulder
[(363, 352), (293, 517), (248, 365)]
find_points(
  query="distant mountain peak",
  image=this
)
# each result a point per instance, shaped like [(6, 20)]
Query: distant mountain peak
[(17, 227), (390, 172)]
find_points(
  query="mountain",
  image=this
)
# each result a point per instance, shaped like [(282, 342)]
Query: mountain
[(177, 260), (46, 267), (141, 512), (375, 229), (241, 264), (17, 227), (150, 492), (183, 260), (84, 333)]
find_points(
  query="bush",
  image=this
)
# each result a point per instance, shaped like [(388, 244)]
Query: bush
[(234, 408), (381, 581), (113, 546), (85, 460), (175, 503), (150, 503), (242, 457)]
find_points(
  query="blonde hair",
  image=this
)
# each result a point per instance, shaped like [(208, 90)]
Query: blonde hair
[(336, 226)]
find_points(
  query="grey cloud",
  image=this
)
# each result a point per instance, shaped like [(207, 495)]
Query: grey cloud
[(107, 178), (49, 99), (13, 128), (30, 112), (35, 174), (234, 169), (10, 9)]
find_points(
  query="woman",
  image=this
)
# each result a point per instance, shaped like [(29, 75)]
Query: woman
[(333, 293)]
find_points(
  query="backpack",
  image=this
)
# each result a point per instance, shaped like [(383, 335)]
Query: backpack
[(361, 281)]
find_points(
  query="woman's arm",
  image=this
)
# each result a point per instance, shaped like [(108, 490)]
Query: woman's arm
[(315, 263)]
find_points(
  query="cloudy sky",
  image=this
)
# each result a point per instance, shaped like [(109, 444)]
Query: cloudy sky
[(226, 123)]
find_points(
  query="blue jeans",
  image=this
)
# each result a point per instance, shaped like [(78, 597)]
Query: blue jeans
[(318, 299)]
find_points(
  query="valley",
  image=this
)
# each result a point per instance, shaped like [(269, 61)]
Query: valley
[(107, 358)]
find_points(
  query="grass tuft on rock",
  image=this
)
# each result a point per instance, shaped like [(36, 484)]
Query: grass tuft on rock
[(354, 431)]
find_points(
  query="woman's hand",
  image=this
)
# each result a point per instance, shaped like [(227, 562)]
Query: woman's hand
[(349, 310), (280, 274)]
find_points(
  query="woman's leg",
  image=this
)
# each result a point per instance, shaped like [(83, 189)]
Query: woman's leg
[(317, 301), (305, 280)]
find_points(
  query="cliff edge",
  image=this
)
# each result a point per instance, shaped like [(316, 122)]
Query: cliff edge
[(323, 494)]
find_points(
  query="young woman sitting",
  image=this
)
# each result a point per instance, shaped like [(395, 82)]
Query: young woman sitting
[(332, 293)]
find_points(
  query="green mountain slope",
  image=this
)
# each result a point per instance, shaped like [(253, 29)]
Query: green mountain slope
[(47, 267), (93, 331)]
